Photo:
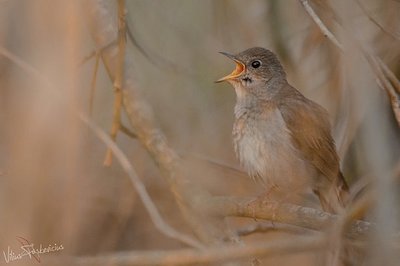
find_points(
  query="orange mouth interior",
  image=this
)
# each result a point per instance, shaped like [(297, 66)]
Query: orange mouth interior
[(239, 69)]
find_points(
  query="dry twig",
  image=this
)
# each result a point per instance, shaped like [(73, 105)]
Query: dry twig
[(391, 76), (210, 255), (380, 69), (93, 83), (373, 20), (96, 52), (118, 78), (320, 24), (25, 66), (265, 227), (283, 213), (124, 129)]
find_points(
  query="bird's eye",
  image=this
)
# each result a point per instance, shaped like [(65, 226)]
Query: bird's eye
[(256, 63)]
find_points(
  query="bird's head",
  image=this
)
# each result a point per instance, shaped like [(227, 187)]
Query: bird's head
[(255, 69)]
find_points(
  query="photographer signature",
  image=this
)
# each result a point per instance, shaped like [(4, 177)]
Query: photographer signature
[(29, 250)]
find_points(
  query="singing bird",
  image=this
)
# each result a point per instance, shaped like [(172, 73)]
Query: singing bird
[(281, 137)]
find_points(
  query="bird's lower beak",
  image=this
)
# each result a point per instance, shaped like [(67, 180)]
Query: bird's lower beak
[(239, 70)]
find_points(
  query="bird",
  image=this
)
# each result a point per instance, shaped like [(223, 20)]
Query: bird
[(280, 137)]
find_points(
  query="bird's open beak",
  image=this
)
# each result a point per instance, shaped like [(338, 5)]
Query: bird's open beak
[(239, 70)]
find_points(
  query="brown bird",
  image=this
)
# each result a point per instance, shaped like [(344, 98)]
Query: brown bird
[(281, 137)]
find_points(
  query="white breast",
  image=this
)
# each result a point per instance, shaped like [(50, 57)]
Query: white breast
[(264, 147)]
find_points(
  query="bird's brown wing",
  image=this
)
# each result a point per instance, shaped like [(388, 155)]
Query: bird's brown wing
[(309, 126), (310, 129)]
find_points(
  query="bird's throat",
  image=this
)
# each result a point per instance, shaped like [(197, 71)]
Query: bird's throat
[(241, 91)]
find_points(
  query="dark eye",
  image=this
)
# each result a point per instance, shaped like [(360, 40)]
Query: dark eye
[(256, 64)]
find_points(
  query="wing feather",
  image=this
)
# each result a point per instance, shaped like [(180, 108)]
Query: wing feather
[(310, 129)]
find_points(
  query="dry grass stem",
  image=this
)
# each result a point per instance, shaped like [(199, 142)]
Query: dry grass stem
[(285, 213), (320, 24), (379, 69), (265, 227), (210, 255), (373, 20), (124, 129), (93, 83), (116, 124), (94, 53)]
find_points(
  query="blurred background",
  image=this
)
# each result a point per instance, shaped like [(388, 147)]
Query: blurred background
[(54, 187)]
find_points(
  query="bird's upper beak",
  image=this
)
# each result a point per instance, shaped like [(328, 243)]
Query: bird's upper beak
[(239, 70)]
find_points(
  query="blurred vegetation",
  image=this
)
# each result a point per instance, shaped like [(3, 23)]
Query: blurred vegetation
[(54, 187)]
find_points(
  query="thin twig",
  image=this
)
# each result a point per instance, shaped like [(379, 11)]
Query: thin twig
[(391, 76), (93, 84), (124, 129), (155, 59), (96, 52), (379, 68), (373, 20), (270, 227), (214, 255), (394, 100), (286, 213), (320, 24), (24, 65), (118, 78), (138, 46)]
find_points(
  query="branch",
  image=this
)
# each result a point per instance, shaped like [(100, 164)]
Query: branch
[(25, 66), (327, 33), (391, 76), (218, 255), (265, 227), (380, 69), (93, 84), (124, 129), (373, 20), (95, 53), (116, 124), (283, 213)]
